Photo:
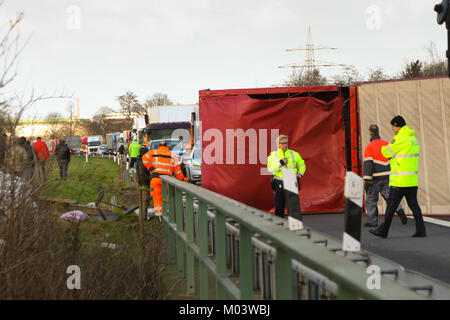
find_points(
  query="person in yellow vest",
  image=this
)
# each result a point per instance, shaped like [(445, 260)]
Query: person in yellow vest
[(403, 153), (133, 151), (283, 157)]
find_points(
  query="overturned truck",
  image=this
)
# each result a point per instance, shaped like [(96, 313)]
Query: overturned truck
[(328, 126)]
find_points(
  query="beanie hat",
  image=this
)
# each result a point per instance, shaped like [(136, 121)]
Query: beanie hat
[(373, 129), (398, 121)]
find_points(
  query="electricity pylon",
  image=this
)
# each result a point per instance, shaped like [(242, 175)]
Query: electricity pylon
[(310, 62)]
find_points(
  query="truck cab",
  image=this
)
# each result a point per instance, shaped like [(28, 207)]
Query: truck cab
[(93, 143)]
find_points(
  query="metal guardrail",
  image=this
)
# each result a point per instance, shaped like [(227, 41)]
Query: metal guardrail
[(252, 255)]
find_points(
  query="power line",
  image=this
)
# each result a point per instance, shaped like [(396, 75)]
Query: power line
[(310, 62)]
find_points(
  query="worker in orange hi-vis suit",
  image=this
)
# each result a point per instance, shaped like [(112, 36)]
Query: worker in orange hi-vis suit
[(161, 162)]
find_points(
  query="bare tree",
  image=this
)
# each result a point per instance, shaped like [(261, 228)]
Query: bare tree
[(130, 104), (69, 126), (377, 74), (9, 52), (157, 99), (437, 66), (411, 70), (102, 123), (300, 77), (54, 124), (349, 77), (433, 67), (13, 107)]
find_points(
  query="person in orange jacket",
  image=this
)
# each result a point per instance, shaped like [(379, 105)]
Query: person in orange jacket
[(159, 162), (43, 155), (376, 170)]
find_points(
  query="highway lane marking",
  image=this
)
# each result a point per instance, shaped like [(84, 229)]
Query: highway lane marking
[(435, 221)]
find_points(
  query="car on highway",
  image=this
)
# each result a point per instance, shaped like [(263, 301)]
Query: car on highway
[(103, 150), (193, 164)]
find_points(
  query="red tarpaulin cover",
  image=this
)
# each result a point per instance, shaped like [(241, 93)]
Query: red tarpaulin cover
[(315, 129)]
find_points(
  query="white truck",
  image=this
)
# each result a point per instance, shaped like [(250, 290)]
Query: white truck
[(113, 141), (93, 142)]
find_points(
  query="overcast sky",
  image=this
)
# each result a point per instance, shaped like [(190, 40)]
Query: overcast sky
[(101, 49)]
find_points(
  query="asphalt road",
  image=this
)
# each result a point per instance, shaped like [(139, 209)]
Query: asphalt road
[(429, 256)]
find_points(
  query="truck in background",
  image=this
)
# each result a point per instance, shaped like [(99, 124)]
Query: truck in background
[(73, 142), (113, 141), (127, 138), (177, 113), (93, 143), (169, 122)]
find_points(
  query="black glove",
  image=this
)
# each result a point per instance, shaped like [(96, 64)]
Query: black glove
[(368, 186), (283, 162)]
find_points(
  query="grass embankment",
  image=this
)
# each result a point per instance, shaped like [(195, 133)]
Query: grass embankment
[(83, 180), (39, 247), (81, 186)]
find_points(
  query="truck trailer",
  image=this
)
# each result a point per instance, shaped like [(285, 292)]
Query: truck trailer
[(73, 142), (328, 126), (112, 141)]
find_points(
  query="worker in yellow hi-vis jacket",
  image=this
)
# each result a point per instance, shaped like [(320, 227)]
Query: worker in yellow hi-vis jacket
[(283, 157), (403, 153)]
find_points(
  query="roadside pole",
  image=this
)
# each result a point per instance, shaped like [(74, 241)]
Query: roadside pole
[(86, 157), (141, 213), (290, 185), (353, 192)]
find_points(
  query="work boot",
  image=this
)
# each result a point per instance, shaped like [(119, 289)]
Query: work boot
[(377, 233), (419, 235), (402, 216), (372, 225)]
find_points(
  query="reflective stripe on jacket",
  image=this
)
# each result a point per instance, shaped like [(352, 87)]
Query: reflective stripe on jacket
[(375, 165), (403, 153), (162, 161), (295, 162)]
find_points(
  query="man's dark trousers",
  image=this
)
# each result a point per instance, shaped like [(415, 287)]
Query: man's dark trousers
[(63, 168), (132, 161), (279, 197), (396, 195)]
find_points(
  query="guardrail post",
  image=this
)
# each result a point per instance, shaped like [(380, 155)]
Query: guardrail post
[(179, 223), (172, 236), (245, 263), (283, 275), (203, 243), (190, 261), (221, 253)]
